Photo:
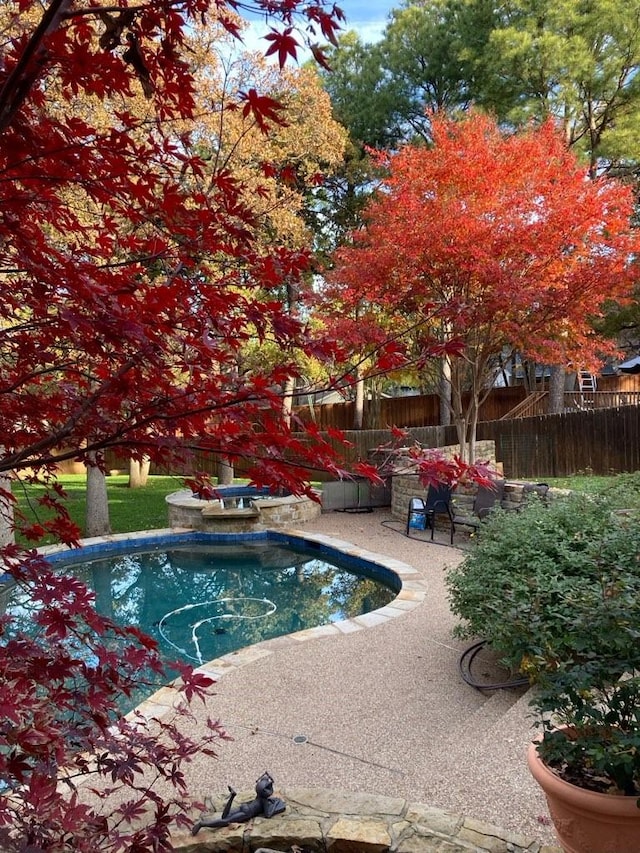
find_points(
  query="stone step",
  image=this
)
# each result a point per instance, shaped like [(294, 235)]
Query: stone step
[(484, 720), (492, 752), (517, 723), (515, 727)]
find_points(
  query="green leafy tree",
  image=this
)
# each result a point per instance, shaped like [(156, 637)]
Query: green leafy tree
[(425, 62), (577, 62), (427, 53), (519, 59), (360, 94), (356, 87)]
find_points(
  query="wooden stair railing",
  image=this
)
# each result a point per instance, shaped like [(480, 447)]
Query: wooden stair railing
[(529, 407), (574, 401)]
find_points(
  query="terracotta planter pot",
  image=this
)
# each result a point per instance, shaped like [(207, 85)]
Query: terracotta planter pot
[(585, 821)]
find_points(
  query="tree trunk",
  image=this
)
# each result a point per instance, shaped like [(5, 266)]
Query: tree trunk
[(374, 404), (358, 407), (556, 390), (287, 399), (312, 409), (6, 511), (138, 473), (461, 432), (445, 391), (472, 429), (530, 376), (290, 385), (97, 514), (224, 472), (460, 421)]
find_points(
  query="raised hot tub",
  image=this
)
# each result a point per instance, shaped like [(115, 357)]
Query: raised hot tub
[(239, 509)]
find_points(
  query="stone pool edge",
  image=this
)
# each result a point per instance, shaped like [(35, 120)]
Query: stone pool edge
[(411, 594), (328, 819)]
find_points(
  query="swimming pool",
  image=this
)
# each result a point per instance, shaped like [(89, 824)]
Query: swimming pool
[(202, 596)]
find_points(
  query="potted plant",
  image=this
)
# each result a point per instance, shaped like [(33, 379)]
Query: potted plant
[(557, 591), (587, 759)]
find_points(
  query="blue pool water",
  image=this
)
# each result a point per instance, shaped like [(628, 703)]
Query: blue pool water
[(205, 595)]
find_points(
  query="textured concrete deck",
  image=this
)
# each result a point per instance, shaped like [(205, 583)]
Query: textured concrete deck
[(376, 705)]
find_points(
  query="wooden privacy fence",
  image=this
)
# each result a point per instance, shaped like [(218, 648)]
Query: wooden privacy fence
[(603, 441), (574, 401), (424, 409), (417, 411)]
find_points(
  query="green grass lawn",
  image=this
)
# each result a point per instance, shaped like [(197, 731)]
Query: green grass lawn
[(580, 482), (130, 509)]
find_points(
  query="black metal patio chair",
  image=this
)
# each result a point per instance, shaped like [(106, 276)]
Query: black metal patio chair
[(486, 498), (423, 511)]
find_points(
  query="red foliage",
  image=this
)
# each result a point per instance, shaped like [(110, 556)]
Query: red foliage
[(63, 671), (489, 242), (501, 237), (131, 280), (131, 276), (261, 107), (284, 44)]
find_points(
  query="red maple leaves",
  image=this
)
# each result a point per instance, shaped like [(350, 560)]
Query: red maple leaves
[(485, 243), (62, 674), (284, 44), (131, 279), (262, 108)]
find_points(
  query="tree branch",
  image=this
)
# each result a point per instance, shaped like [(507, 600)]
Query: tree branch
[(30, 65)]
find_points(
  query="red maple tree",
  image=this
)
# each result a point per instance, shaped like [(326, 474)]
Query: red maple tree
[(131, 280), (494, 242), (131, 274)]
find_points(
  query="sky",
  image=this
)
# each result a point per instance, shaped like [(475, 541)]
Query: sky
[(367, 17)]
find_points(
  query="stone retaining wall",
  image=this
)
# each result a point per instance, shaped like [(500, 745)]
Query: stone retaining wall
[(318, 820), (407, 486)]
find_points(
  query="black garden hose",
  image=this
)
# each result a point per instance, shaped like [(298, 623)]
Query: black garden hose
[(466, 661)]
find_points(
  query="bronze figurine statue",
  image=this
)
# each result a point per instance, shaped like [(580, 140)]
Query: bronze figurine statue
[(264, 804)]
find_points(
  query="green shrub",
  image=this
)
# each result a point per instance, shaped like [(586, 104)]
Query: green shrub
[(535, 576), (556, 591), (594, 693)]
